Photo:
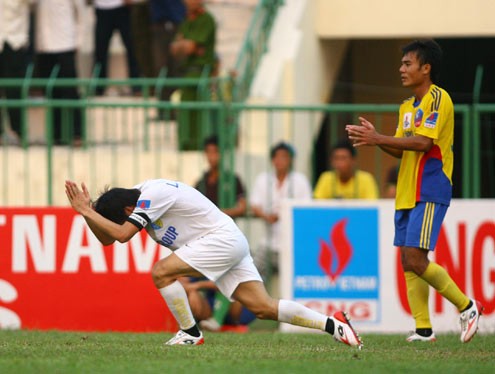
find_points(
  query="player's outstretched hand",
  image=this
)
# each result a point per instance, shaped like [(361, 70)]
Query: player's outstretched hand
[(363, 134), (78, 198)]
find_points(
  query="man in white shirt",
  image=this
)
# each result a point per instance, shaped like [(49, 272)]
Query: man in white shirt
[(204, 242), (58, 32), (268, 191), (14, 42)]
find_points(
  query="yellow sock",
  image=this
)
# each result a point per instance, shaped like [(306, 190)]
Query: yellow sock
[(417, 295), (440, 280)]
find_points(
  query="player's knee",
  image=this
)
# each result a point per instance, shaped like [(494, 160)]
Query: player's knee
[(265, 310), (159, 275), (414, 265)]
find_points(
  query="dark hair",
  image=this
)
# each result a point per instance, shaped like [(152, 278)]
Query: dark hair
[(211, 140), (282, 146), (112, 203), (344, 144), (428, 52)]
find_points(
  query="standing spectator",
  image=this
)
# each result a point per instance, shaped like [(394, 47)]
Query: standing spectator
[(166, 16), (345, 181), (113, 15), (14, 41), (58, 30), (194, 49), (269, 189), (209, 186), (141, 34)]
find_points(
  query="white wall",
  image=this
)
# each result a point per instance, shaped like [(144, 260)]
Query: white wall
[(297, 69)]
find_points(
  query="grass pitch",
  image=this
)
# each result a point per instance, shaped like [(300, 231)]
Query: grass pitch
[(257, 352)]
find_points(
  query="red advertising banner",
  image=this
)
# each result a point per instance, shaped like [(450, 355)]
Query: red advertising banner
[(55, 274)]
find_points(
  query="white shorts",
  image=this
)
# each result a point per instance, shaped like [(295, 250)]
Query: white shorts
[(223, 257)]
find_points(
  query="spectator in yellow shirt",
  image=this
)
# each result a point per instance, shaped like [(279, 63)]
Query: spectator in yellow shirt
[(345, 181)]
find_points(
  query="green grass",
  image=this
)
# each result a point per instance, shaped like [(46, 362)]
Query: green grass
[(257, 352)]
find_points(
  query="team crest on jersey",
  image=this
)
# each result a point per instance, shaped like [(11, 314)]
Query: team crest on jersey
[(431, 121), (143, 204), (406, 121), (418, 118), (157, 225)]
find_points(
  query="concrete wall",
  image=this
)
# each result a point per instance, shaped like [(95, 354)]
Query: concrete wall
[(396, 19), (297, 69)]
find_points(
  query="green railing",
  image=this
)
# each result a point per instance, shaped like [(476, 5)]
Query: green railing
[(254, 46), (123, 146)]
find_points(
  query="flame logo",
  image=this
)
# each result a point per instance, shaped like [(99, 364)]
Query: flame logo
[(335, 255)]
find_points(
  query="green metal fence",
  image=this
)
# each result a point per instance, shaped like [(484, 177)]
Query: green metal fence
[(125, 143), (254, 46)]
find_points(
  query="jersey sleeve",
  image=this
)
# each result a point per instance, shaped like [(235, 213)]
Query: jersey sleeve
[(152, 204), (435, 114)]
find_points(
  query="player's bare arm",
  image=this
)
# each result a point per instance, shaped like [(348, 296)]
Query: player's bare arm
[(366, 134), (105, 230)]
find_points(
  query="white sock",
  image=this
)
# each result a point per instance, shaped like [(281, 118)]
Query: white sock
[(297, 314), (176, 298)]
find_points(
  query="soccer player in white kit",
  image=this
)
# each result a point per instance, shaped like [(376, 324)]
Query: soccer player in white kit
[(204, 242)]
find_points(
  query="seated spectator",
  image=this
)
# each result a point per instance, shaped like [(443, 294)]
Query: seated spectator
[(345, 180), (202, 295), (269, 189), (209, 186)]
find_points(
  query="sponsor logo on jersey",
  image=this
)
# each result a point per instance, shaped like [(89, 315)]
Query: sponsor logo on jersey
[(431, 121), (143, 204), (157, 225), (406, 121), (418, 118), (169, 237)]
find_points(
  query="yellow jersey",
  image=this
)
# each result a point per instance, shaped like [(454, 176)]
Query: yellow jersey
[(426, 176), (361, 186)]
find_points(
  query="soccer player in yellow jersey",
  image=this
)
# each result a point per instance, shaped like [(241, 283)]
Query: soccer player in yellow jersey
[(423, 140)]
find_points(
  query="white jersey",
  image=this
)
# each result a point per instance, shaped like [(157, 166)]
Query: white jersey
[(175, 214)]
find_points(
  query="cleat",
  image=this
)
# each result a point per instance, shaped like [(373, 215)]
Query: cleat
[(183, 338), (469, 321), (344, 332), (414, 337)]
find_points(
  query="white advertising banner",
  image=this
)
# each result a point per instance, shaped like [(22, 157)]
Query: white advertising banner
[(340, 255)]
